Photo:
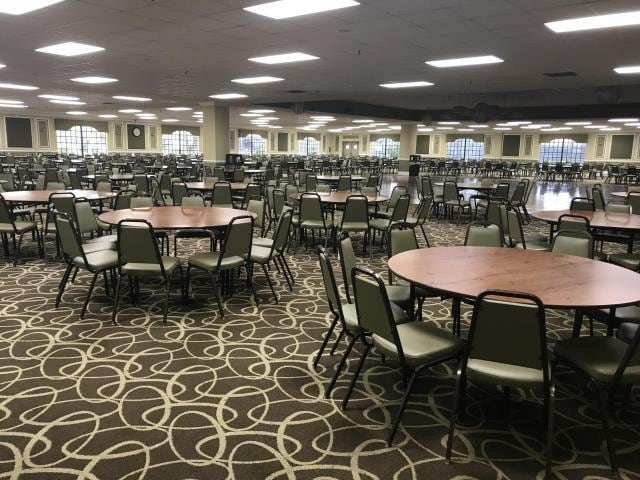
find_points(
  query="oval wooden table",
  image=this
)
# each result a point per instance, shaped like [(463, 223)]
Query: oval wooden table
[(340, 198), (207, 186), (560, 281), (42, 196), (176, 218)]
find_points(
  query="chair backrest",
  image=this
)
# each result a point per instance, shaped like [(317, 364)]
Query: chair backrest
[(56, 186), (141, 202), (238, 175), (582, 204), (253, 190), (422, 212), (178, 191), (279, 201), (290, 189), (356, 209), (573, 242), (401, 209), (84, 217), (6, 216), (509, 328), (515, 230), (238, 238), (62, 202), (74, 179), (103, 186), (374, 308), (142, 183), (450, 191), (311, 208), (344, 183), (427, 186), (494, 216), (311, 183), (519, 193), (396, 193), (193, 201), (401, 240), (347, 262), (222, 194), (122, 200), (633, 199), (502, 191), (598, 198), (10, 185), (69, 237), (281, 236), (137, 243), (369, 191), (618, 208), (330, 285), (483, 236), (258, 206), (574, 223)]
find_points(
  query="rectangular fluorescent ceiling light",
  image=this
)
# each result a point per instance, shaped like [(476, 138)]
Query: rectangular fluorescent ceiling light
[(448, 123), (67, 102), (250, 114), (406, 84), (425, 129), (15, 86), (596, 126), (578, 123), (76, 113), (69, 49), (502, 129), (363, 121), (13, 7), (58, 97), (256, 80), (2, 65), (170, 120), (94, 80), (130, 110), (610, 129), (294, 8), (464, 62), (444, 128), (179, 109), (11, 102), (627, 70), (11, 105), (275, 126), (478, 126), (624, 120), (131, 99), (624, 19), (262, 111), (284, 58), (228, 96), (108, 116), (326, 118)]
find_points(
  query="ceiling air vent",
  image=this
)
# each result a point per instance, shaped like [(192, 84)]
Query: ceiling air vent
[(296, 91), (560, 74)]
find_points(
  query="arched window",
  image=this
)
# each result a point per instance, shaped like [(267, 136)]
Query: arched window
[(465, 149), (309, 146), (180, 142), (253, 144), (385, 147), (562, 150), (81, 140)]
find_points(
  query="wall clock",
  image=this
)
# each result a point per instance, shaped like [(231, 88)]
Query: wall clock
[(136, 132)]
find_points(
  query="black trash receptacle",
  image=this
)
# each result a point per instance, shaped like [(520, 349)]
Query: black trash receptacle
[(414, 169)]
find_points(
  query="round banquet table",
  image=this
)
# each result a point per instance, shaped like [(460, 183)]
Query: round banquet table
[(560, 281), (336, 178), (623, 195), (177, 218), (204, 186), (471, 186), (340, 198), (42, 196)]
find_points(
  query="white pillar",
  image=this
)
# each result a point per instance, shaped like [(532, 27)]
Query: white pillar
[(215, 132), (408, 140)]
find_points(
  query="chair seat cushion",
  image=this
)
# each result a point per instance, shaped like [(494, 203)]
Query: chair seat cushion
[(627, 331), (21, 227), (141, 269), (209, 261), (103, 226), (98, 246), (354, 226), (104, 238), (262, 242), (195, 233), (421, 343), (98, 260), (316, 224), (503, 374), (599, 357), (351, 316), (384, 214), (259, 254), (380, 223), (626, 260), (538, 246)]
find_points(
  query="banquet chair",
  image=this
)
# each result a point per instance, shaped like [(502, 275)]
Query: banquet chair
[(222, 196), (517, 238), (573, 242), (397, 192), (10, 227), (234, 253), (506, 346), (483, 236), (139, 256), (582, 204), (414, 346), (344, 183), (178, 191), (633, 200), (419, 218), (452, 200), (253, 190), (356, 218), (399, 215), (258, 206), (312, 217)]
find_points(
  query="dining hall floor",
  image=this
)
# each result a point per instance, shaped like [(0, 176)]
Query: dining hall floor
[(209, 398)]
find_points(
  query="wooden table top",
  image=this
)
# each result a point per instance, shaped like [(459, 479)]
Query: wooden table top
[(471, 186), (623, 194), (335, 178), (560, 281), (255, 171), (597, 219), (341, 197), (174, 218), (203, 186), (42, 196)]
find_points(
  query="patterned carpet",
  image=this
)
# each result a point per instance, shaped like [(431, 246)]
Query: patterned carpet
[(238, 398)]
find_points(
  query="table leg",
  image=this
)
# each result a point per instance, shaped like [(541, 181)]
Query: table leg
[(455, 312), (630, 245), (551, 233)]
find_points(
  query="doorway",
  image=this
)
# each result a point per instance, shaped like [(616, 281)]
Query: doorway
[(350, 148)]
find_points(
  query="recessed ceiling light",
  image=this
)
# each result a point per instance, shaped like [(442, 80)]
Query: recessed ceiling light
[(69, 49), (262, 111), (596, 126), (275, 126), (610, 129), (108, 116), (16, 86), (623, 19), (448, 123), (623, 120), (502, 129), (515, 124), (444, 128), (284, 58), (12, 105), (627, 70), (257, 80), (425, 129), (13, 7), (395, 127), (323, 117), (131, 99), (2, 65), (67, 102), (294, 8), (632, 124), (11, 102), (362, 121), (270, 118), (478, 126), (577, 124), (94, 80), (465, 129), (537, 126), (76, 113), (58, 97), (228, 96), (179, 109), (170, 120), (463, 62), (250, 114), (144, 114), (406, 84), (129, 110)]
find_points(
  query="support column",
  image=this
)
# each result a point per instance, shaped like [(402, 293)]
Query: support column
[(215, 133), (408, 139)]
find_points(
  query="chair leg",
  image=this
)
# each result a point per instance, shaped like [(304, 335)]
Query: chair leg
[(606, 427), (343, 360), (337, 342), (550, 414), (18, 250), (215, 291), (403, 405), (106, 283), (86, 302), (167, 287), (326, 340), (285, 273), (63, 284), (116, 300), (354, 380), (250, 282), (458, 393), (266, 274)]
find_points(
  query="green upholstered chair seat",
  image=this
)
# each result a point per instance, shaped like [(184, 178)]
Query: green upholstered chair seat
[(99, 260), (483, 203), (421, 343), (539, 246), (380, 223), (385, 214), (260, 254), (104, 238), (141, 269), (599, 357), (98, 247), (21, 227), (626, 260), (295, 219), (209, 261), (455, 203), (354, 226), (351, 316), (503, 374), (103, 226), (312, 224), (262, 242)]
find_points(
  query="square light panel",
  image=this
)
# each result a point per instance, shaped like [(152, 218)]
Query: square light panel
[(284, 58), (13, 7), (406, 84), (69, 49), (94, 80), (256, 80), (596, 22), (464, 62), (294, 8)]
